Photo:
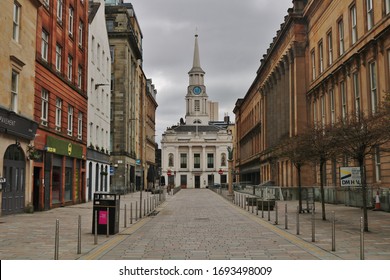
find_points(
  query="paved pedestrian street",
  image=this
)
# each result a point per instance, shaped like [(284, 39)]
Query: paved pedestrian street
[(196, 224)]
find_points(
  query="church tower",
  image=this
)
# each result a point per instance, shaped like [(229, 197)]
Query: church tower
[(196, 98)]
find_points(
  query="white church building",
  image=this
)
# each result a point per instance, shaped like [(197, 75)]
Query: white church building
[(194, 153)]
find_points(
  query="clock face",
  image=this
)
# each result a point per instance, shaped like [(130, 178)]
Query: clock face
[(196, 90)]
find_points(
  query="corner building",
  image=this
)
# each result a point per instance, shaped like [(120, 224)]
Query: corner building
[(60, 103)]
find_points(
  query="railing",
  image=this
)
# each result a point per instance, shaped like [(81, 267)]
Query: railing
[(349, 196)]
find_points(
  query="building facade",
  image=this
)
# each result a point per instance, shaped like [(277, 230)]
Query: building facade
[(99, 102), (60, 103), (127, 85), (329, 59), (274, 106), (348, 71), (17, 125), (195, 153)]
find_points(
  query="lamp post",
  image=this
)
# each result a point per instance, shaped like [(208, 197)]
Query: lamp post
[(230, 165)]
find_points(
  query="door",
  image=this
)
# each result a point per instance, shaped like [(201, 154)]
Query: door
[(14, 173), (36, 188), (197, 182)]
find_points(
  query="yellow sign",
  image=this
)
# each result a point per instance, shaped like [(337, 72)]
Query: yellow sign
[(69, 148)]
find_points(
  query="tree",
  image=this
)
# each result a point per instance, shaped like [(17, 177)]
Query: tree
[(294, 148), (358, 136), (320, 145)]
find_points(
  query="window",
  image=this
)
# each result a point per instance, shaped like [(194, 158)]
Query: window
[(71, 18), (80, 76), (313, 65), (387, 6), (58, 57), (58, 113), (170, 160), (46, 3), (196, 160), (377, 159), (323, 111), (44, 106), (197, 106), (70, 120), (373, 89), (81, 27), (315, 113), (183, 160), (112, 53), (59, 11), (354, 34), (332, 107), (16, 22), (343, 101), (370, 14), (330, 48), (321, 56), (70, 67), (341, 37), (356, 93), (44, 45), (223, 159), (210, 160), (14, 91)]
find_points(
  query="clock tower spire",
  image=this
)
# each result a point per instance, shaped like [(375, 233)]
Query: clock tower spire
[(196, 98)]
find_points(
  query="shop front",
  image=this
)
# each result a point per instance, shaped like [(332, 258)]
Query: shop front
[(61, 174), (16, 134)]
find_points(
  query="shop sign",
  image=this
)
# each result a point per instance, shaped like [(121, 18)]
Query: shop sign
[(14, 124), (3, 180), (65, 148)]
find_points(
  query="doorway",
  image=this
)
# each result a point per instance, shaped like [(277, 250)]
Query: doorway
[(14, 173), (197, 182), (36, 188)]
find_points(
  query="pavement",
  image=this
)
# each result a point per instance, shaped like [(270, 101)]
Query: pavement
[(32, 236)]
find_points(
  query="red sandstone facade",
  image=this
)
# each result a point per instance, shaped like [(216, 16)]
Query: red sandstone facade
[(60, 104)]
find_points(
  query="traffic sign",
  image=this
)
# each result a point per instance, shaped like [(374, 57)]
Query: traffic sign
[(220, 172), (138, 162)]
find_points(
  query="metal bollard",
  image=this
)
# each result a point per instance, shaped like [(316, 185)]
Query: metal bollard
[(57, 240), (361, 238), (262, 208), (276, 214), (297, 220), (125, 217), (252, 199), (108, 222), (96, 236), (257, 208), (285, 217), (144, 207), (269, 214), (333, 232), (131, 213), (79, 236), (313, 226), (136, 210)]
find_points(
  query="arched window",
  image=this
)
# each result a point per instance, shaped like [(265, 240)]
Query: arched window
[(223, 159), (170, 160)]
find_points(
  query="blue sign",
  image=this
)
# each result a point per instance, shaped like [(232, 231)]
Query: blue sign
[(112, 170), (138, 162)]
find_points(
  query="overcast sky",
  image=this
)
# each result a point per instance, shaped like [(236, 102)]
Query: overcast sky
[(233, 36)]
